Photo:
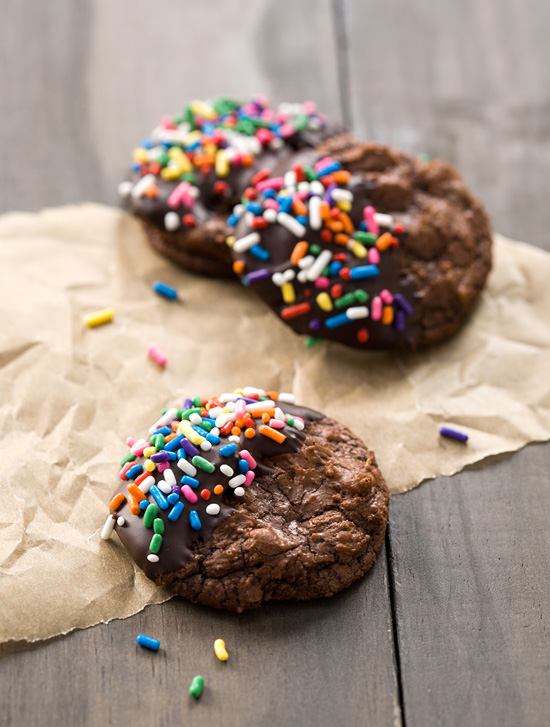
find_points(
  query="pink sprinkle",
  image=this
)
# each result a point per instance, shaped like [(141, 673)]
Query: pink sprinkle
[(122, 473), (376, 309), (156, 354), (188, 493), (181, 191), (276, 424), (373, 256), (310, 108), (240, 409), (167, 123), (323, 163), (286, 130), (372, 225), (302, 195), (322, 282), (245, 454), (273, 183), (264, 136), (139, 451), (271, 204), (386, 296), (248, 478), (130, 441), (163, 466)]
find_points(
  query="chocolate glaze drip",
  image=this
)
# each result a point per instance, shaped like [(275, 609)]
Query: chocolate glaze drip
[(179, 537)]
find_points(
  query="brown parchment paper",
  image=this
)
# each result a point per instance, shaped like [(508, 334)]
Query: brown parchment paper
[(70, 395)]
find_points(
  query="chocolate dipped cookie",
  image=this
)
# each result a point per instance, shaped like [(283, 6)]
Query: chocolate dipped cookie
[(365, 245), (245, 498), (194, 167)]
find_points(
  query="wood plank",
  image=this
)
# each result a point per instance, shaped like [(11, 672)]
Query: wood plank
[(320, 663), (470, 566), (468, 82)]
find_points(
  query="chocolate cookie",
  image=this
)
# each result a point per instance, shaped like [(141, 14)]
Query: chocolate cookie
[(248, 498), (195, 167), (365, 245)]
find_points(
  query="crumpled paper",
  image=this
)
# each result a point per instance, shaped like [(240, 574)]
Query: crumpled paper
[(70, 395)]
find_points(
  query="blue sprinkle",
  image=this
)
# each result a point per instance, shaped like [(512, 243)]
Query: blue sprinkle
[(191, 481), (134, 472), (167, 291), (147, 143), (212, 438), (173, 444), (148, 643), (363, 226), (200, 430), (176, 511), (260, 253), (161, 501), (364, 271), (228, 449), (181, 453), (286, 204), (255, 208), (328, 169), (302, 219), (136, 166), (334, 268), (337, 321), (144, 504), (243, 466), (269, 193), (173, 498), (163, 430), (194, 520), (232, 220)]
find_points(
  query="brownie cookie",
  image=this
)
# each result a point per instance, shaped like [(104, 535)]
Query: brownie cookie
[(365, 245), (247, 498), (195, 167)]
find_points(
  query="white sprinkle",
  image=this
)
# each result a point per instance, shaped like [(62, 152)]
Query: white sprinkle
[(316, 188), (153, 558), (287, 398), (164, 487), (213, 509), (248, 219), (222, 419), (245, 243), (291, 224), (290, 179), (187, 467), (108, 527), (354, 314), (305, 262), (226, 470), (239, 491), (224, 398), (315, 220), (138, 445), (270, 215), (252, 390), (237, 481), (233, 438), (195, 418), (120, 521), (343, 195), (172, 221), (165, 418), (276, 143), (124, 189), (302, 276), (206, 446), (321, 261), (303, 187), (141, 185), (215, 412), (169, 476), (238, 210), (267, 404), (279, 414), (298, 423), (383, 220), (146, 484), (215, 432)]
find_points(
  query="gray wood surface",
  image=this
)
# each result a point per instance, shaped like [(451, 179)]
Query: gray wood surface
[(465, 584)]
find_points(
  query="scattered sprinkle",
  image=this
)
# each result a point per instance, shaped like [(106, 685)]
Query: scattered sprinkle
[(453, 434), (220, 650), (195, 690), (148, 642), (99, 317)]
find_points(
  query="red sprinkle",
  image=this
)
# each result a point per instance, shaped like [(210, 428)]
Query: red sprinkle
[(326, 235), (340, 257), (220, 187), (250, 193), (299, 172), (227, 427), (398, 228), (362, 335), (205, 494), (189, 220), (259, 177), (293, 311), (336, 291), (344, 274), (258, 223)]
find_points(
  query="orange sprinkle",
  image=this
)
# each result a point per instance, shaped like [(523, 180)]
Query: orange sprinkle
[(151, 191), (250, 433), (133, 504), (136, 493), (341, 239), (348, 224), (384, 241), (218, 489), (341, 176), (324, 210), (334, 225), (271, 433), (117, 501), (260, 412), (169, 437), (240, 422), (265, 417), (299, 207), (175, 424), (238, 266), (200, 159), (273, 395), (387, 315), (298, 253), (236, 431), (247, 160)]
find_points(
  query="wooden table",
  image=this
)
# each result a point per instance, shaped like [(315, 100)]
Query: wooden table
[(451, 626)]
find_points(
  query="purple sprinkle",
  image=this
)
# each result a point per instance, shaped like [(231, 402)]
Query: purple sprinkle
[(160, 457), (328, 193), (399, 321), (176, 489), (248, 401), (190, 448), (315, 324), (403, 303), (453, 434), (257, 275), (188, 404)]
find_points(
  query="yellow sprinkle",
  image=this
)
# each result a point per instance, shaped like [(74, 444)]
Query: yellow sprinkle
[(140, 155), (203, 109), (239, 391), (171, 172), (148, 451), (220, 650), (100, 317), (221, 164), (287, 289), (344, 206), (230, 241), (357, 248), (149, 465), (182, 160), (324, 302), (187, 430)]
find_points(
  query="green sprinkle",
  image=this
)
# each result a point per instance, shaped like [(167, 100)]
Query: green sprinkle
[(361, 296), (245, 126), (163, 158), (189, 177), (203, 464), (157, 440), (325, 272), (197, 401), (150, 515), (129, 458), (205, 425), (187, 412), (164, 411), (367, 238), (315, 249), (312, 341), (158, 525), (310, 174), (195, 690), (345, 300), (156, 542), (301, 122), (290, 421)]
